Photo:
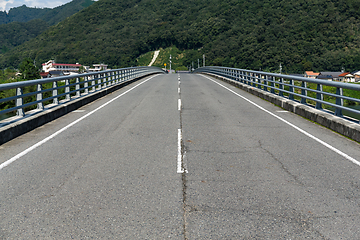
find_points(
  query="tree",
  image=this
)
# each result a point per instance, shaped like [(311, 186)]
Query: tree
[(28, 70)]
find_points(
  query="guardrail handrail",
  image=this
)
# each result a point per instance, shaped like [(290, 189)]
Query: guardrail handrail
[(82, 84), (276, 83)]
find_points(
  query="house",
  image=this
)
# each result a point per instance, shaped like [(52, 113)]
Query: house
[(325, 77), (56, 73), (356, 76), (347, 77), (98, 67), (45, 75), (64, 67), (331, 76), (311, 74)]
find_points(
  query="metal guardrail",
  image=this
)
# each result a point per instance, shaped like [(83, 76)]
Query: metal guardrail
[(292, 87), (65, 88)]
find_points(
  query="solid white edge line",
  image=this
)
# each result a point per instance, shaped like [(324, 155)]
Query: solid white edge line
[(292, 125), (179, 157), (13, 159)]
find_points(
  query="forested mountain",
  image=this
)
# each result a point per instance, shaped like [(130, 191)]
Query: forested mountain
[(51, 16), (258, 34), (23, 23), (22, 14), (16, 33)]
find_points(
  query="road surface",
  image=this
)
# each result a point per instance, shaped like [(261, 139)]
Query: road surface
[(180, 156)]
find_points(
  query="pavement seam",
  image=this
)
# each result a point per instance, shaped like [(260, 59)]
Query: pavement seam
[(183, 174)]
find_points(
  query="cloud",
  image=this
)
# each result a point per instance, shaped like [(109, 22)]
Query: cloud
[(5, 5)]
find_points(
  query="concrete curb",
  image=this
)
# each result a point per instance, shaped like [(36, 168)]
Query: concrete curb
[(337, 124), (28, 123)]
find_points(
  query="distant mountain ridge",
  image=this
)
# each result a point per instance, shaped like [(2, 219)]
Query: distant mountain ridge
[(50, 15), (22, 14)]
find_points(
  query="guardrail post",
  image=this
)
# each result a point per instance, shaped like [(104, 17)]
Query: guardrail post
[(259, 81), (19, 102), (93, 83), (86, 84), (249, 79), (319, 96), (99, 81), (339, 101), (303, 92), (291, 89), (266, 82), (272, 84), (281, 87), (67, 89), (39, 97), (55, 93), (252, 79), (105, 80), (77, 87)]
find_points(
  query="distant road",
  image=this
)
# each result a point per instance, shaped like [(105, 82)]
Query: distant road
[(156, 54), (180, 156)]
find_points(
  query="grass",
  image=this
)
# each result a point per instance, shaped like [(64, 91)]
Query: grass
[(177, 57)]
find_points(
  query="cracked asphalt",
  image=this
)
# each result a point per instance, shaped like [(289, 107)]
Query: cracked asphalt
[(114, 174)]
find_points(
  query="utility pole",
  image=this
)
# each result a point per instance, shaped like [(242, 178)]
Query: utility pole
[(280, 68), (198, 63), (203, 60), (170, 63)]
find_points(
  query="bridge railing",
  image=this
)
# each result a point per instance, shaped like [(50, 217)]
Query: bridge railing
[(36, 94), (308, 91)]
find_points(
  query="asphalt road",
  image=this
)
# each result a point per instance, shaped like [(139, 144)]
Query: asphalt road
[(180, 157)]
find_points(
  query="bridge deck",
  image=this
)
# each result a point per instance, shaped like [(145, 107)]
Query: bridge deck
[(250, 169)]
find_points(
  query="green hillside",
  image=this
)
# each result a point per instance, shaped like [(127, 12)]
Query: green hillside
[(178, 58), (22, 24), (51, 16), (259, 34), (22, 14), (16, 33)]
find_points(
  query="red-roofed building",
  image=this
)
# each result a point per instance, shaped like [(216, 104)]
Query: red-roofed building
[(64, 67), (346, 77), (45, 75), (311, 74)]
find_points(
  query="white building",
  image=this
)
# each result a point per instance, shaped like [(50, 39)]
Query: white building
[(98, 67), (64, 67)]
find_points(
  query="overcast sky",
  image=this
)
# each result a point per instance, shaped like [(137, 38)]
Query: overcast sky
[(7, 4)]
